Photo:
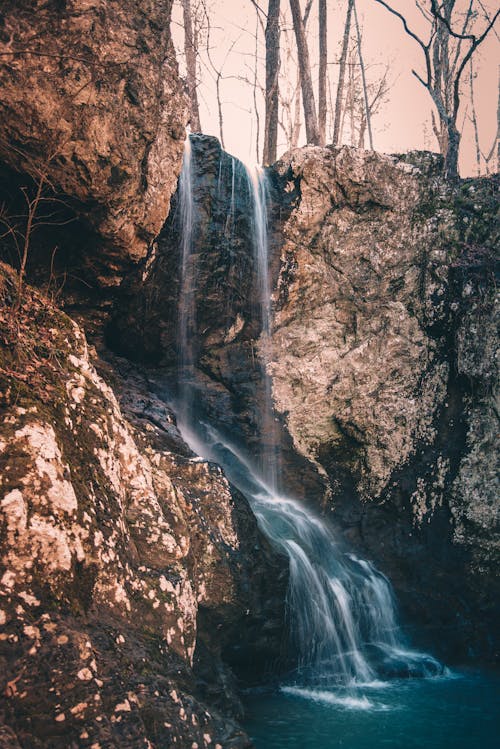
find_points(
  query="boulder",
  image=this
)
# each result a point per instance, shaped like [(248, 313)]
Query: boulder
[(92, 104)]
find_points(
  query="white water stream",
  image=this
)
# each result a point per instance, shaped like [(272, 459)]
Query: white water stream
[(259, 195)]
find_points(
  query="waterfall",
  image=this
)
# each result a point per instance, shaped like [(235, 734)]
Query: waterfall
[(186, 324), (259, 194), (341, 609)]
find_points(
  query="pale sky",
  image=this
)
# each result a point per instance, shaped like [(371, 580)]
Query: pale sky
[(403, 123)]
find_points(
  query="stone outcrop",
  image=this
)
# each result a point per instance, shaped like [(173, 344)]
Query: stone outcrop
[(132, 573), (135, 588), (385, 338), (228, 378), (91, 102)]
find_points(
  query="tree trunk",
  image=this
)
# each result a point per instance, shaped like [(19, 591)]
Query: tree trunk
[(309, 104), (323, 54), (296, 114), (191, 53), (363, 78), (474, 119), (272, 72), (340, 87), (451, 156)]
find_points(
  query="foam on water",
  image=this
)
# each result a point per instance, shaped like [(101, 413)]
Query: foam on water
[(330, 698)]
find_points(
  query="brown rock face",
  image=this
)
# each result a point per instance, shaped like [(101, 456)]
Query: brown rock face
[(132, 575), (228, 376), (347, 320), (384, 379), (90, 97)]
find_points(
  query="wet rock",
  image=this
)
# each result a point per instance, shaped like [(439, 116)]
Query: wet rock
[(227, 379), (91, 101), (122, 554)]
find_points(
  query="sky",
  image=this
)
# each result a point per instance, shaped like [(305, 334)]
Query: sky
[(404, 121)]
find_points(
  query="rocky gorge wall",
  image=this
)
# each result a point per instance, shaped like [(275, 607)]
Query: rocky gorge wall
[(92, 105), (385, 392), (387, 315), (228, 379), (132, 574), (135, 587)]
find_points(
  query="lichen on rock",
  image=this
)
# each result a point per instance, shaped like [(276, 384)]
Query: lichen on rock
[(91, 99), (111, 542)]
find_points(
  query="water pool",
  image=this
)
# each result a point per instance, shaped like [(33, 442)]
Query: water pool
[(461, 711)]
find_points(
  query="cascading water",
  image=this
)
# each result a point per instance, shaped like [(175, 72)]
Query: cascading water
[(187, 300), (341, 609), (259, 200)]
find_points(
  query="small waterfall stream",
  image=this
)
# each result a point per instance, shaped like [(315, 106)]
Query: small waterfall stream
[(342, 614), (187, 298), (259, 199)]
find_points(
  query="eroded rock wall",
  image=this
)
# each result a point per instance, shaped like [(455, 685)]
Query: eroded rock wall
[(91, 100), (225, 332), (117, 546), (385, 340)]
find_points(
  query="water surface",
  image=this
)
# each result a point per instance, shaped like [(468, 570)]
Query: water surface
[(458, 712)]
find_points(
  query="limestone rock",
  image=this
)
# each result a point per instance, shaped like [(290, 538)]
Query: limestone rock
[(91, 99), (118, 547), (385, 368), (382, 359)]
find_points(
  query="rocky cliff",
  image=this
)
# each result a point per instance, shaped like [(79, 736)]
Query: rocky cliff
[(226, 329), (385, 392), (132, 573), (91, 105), (387, 316), (135, 588)]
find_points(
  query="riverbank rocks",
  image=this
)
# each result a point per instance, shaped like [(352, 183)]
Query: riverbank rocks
[(127, 563), (92, 105)]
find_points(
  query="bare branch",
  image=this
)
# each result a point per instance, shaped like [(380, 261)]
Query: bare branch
[(403, 20)]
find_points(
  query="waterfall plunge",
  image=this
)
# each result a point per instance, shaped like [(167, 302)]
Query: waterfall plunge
[(341, 610)]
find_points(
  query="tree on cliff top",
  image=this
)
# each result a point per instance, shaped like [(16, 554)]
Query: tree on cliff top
[(445, 62), (191, 53)]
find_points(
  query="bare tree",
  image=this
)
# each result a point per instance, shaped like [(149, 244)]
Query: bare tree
[(272, 77), (342, 68), (217, 72), (42, 208), (290, 92), (308, 101), (353, 108), (255, 88), (297, 119), (495, 145), (289, 89), (323, 63), (376, 95), (363, 78), (474, 119), (191, 52), (353, 119), (437, 67)]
